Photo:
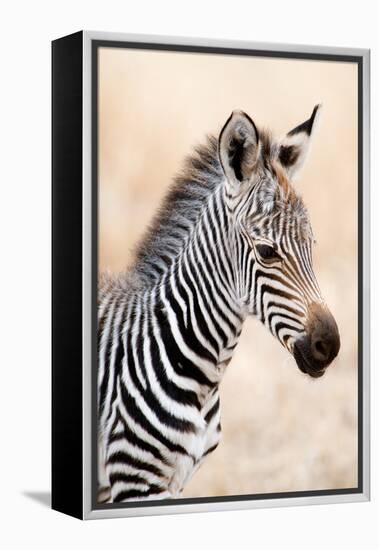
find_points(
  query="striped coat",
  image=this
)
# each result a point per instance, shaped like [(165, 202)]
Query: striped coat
[(231, 239)]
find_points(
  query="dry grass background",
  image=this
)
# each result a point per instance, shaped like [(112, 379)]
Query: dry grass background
[(282, 431)]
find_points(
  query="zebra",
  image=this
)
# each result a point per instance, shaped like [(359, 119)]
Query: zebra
[(232, 238)]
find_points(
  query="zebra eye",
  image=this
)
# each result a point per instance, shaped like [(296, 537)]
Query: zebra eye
[(267, 253)]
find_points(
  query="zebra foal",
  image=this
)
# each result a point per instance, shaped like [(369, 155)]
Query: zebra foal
[(231, 239)]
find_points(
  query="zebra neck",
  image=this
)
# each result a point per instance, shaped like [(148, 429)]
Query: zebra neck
[(193, 307), (180, 344)]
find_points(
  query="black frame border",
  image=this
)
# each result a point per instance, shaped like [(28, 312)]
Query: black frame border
[(67, 272), (233, 51)]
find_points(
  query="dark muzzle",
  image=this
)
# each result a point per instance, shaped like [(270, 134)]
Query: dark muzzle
[(316, 350)]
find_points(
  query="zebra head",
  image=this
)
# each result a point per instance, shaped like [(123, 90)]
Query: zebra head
[(272, 239)]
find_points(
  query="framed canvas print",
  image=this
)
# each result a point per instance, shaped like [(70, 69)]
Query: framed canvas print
[(210, 275)]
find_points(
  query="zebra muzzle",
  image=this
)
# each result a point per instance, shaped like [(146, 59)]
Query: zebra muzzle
[(317, 349)]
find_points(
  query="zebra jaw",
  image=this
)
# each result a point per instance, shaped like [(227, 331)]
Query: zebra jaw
[(305, 367)]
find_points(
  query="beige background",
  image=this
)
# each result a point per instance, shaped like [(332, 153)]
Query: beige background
[(282, 431)]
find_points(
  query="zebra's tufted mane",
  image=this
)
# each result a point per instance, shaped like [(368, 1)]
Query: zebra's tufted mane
[(164, 238), (180, 209)]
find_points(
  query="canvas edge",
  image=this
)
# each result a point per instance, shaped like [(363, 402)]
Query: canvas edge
[(66, 275), (366, 274), (88, 511)]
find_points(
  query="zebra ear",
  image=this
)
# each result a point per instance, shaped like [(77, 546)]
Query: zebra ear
[(294, 147), (238, 147)]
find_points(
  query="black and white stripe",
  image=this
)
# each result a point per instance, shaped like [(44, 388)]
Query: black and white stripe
[(168, 328)]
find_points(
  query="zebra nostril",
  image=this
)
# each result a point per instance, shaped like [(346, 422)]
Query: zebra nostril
[(321, 349)]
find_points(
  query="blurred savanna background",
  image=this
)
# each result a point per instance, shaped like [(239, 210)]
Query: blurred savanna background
[(282, 430)]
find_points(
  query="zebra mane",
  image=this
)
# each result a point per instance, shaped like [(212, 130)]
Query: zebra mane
[(164, 238)]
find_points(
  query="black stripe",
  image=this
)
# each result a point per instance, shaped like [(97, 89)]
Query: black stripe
[(278, 279), (288, 309), (203, 325), (187, 332), (276, 292), (117, 365), (101, 322), (216, 261), (212, 411), (151, 400), (180, 363), (210, 450), (180, 395), (140, 419), (120, 457), (281, 315), (114, 477), (279, 327), (133, 439), (136, 479), (211, 236), (138, 346), (206, 298), (134, 493), (105, 380), (211, 294), (225, 225)]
